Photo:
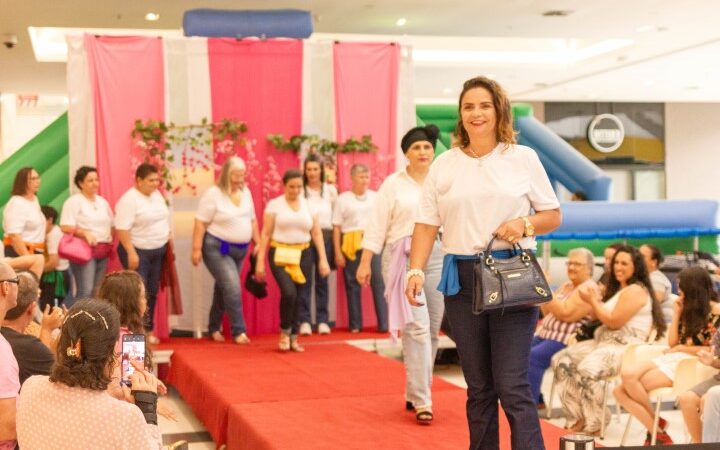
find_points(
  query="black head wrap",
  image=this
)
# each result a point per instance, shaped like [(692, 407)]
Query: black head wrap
[(428, 133)]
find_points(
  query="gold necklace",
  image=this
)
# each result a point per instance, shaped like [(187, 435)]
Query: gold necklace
[(479, 159)]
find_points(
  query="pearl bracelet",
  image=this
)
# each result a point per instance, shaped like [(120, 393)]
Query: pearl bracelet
[(415, 273)]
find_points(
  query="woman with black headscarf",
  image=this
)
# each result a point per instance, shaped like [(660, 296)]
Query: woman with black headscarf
[(391, 226)]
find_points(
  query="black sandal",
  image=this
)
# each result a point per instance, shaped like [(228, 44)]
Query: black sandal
[(424, 417), (409, 406)]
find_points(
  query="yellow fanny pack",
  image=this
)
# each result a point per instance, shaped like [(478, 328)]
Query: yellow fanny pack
[(351, 243), (288, 256)]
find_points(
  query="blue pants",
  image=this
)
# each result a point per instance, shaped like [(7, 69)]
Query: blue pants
[(149, 269), (227, 295), (88, 276), (353, 292), (541, 352), (494, 350), (321, 285)]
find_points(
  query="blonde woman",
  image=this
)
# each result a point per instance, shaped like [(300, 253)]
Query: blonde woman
[(224, 226)]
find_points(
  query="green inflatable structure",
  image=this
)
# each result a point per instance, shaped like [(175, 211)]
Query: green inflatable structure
[(47, 153)]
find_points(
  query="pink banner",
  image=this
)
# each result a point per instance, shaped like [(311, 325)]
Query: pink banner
[(366, 91), (259, 82), (127, 78)]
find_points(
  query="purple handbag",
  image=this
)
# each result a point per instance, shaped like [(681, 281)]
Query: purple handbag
[(74, 249)]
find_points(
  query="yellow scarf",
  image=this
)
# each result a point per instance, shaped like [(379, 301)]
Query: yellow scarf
[(351, 243), (293, 270)]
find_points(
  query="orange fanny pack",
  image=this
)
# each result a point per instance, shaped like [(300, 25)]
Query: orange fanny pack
[(32, 247)]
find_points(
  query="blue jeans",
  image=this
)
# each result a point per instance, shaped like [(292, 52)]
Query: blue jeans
[(541, 352), (353, 291), (227, 295), (88, 277), (321, 285), (494, 350), (149, 269)]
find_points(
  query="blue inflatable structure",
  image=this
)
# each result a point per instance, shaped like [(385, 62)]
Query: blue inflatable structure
[(561, 161), (287, 23), (637, 220)]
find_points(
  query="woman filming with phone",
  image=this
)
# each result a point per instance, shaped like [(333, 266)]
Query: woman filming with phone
[(77, 387)]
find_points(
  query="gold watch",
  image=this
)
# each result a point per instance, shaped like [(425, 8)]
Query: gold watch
[(529, 227)]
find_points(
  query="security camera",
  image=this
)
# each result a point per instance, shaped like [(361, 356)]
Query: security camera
[(10, 40)]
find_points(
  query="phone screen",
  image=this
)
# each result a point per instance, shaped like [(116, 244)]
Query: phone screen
[(133, 349)]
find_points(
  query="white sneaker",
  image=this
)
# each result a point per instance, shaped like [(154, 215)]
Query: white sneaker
[(323, 328), (305, 329)]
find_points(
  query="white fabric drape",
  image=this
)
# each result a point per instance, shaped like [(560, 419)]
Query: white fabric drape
[(81, 119), (406, 117)]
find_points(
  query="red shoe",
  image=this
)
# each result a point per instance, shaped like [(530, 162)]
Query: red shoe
[(662, 438), (662, 424)]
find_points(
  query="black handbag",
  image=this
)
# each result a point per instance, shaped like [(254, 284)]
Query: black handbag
[(586, 331), (254, 286), (506, 283)]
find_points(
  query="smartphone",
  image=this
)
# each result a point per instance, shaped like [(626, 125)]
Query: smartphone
[(133, 349)]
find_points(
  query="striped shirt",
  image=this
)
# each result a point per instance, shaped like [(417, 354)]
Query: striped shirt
[(555, 329)]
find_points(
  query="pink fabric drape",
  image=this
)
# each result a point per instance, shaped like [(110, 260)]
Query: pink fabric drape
[(259, 82), (366, 91), (127, 79)]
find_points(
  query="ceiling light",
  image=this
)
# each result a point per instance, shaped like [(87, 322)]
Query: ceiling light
[(152, 17), (557, 13), (447, 91), (644, 29), (401, 22)]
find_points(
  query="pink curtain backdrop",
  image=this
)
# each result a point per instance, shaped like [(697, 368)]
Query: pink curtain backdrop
[(366, 91), (259, 82), (127, 79)]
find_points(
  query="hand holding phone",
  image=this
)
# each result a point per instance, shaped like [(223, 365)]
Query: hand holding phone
[(133, 351)]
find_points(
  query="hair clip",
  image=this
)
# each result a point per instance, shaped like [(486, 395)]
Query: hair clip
[(82, 311), (73, 351), (104, 321)]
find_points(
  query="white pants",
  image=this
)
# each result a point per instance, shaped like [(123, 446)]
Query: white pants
[(711, 416), (420, 337)]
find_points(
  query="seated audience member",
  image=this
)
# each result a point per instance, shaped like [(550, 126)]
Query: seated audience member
[(711, 413), (628, 314), (78, 386), (9, 372), (662, 287), (690, 401), (125, 290), (694, 322), (34, 357), (562, 315), (608, 254), (578, 196), (55, 282)]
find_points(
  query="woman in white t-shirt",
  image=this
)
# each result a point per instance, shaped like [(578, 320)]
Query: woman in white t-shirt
[(289, 225), (142, 221), (88, 216), (23, 222), (224, 226), (321, 196), (486, 186)]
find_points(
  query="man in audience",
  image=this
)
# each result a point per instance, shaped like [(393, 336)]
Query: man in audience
[(711, 416), (662, 287), (34, 357), (9, 381)]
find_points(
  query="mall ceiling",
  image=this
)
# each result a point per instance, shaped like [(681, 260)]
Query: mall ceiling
[(670, 51)]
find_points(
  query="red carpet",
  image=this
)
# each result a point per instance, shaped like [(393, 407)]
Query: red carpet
[(332, 396)]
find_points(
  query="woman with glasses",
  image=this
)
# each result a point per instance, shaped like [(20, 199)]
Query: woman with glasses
[(562, 315), (23, 221)]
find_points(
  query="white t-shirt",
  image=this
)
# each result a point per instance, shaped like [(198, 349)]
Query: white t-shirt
[(24, 217), (352, 213), (94, 216), (661, 283), (394, 212), (471, 198), (52, 242), (291, 227), (324, 204), (227, 221), (147, 218)]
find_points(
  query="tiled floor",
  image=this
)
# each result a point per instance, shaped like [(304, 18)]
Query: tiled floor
[(189, 428)]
